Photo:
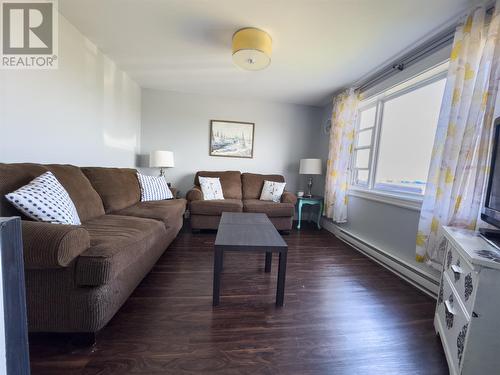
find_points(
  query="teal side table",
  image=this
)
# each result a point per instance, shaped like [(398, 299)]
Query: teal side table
[(314, 200)]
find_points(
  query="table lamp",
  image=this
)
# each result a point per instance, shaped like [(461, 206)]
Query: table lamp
[(310, 167), (161, 159)]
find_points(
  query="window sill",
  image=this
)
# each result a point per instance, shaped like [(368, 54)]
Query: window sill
[(399, 200)]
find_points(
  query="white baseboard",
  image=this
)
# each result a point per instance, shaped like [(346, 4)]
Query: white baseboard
[(426, 282)]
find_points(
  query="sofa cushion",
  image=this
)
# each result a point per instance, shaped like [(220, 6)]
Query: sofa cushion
[(118, 187), (271, 209), (12, 177), (230, 181), (211, 188), (215, 207), (167, 211), (45, 199), (115, 243), (272, 191), (253, 183), (153, 188), (86, 200)]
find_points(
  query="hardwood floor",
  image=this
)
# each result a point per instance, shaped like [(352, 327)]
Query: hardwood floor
[(343, 314)]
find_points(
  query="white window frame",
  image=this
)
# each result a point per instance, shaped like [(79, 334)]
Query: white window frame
[(399, 198)]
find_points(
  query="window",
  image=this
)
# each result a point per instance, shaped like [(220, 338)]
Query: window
[(395, 135)]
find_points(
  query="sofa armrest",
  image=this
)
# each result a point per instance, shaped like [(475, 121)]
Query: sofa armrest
[(48, 246), (195, 194), (288, 197)]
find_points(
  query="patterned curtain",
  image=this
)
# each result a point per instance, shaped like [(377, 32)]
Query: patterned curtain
[(459, 163), (345, 109)]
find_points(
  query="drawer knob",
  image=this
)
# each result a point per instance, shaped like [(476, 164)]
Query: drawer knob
[(449, 307), (456, 269)]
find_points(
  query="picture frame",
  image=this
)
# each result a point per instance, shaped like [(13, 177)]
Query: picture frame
[(232, 139)]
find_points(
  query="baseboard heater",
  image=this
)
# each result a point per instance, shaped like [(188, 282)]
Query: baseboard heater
[(410, 274)]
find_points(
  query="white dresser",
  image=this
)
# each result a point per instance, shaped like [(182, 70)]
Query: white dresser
[(467, 315)]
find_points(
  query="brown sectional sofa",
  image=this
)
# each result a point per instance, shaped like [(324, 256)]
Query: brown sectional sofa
[(241, 194), (77, 277)]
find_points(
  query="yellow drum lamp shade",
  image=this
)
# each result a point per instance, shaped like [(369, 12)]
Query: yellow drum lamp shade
[(252, 48)]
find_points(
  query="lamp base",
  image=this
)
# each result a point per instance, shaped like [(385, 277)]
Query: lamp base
[(309, 187)]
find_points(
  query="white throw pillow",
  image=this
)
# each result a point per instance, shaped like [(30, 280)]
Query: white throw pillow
[(272, 191), (211, 188), (45, 199), (154, 188)]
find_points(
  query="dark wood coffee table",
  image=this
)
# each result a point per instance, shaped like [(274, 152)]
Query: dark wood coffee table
[(249, 232)]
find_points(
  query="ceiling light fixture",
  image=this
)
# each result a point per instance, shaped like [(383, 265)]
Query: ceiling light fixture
[(252, 48)]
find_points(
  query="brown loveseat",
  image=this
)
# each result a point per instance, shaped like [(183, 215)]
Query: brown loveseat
[(241, 194), (77, 277)]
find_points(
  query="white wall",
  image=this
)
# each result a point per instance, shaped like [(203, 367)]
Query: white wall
[(284, 134), (87, 112), (387, 227)]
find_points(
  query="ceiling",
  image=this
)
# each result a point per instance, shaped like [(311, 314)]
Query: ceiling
[(319, 46)]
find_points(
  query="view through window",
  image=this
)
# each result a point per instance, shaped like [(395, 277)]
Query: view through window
[(395, 135)]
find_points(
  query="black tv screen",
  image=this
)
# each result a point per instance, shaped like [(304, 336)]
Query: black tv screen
[(491, 210)]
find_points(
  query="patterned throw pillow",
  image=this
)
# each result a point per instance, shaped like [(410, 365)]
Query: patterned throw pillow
[(211, 188), (154, 188), (272, 191), (45, 199)]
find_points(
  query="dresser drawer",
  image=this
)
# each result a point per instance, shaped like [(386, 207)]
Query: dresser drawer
[(462, 276), (453, 321)]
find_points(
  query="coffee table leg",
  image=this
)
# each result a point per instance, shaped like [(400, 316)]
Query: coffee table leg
[(218, 256), (280, 291), (269, 260)]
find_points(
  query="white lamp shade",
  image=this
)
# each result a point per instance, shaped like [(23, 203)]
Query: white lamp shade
[(310, 166), (161, 159)]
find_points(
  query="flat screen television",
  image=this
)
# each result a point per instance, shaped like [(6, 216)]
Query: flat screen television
[(491, 209)]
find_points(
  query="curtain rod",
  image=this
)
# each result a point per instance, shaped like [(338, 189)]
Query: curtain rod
[(423, 50), (417, 54)]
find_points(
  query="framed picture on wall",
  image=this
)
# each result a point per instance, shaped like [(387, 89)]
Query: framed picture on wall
[(231, 139)]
